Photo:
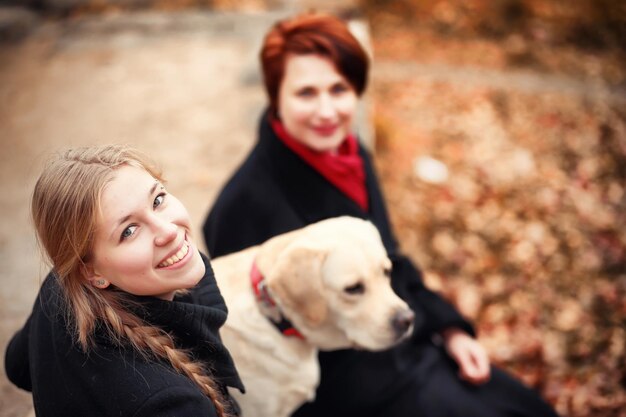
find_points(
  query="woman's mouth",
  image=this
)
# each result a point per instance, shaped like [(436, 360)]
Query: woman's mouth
[(325, 130), (177, 257)]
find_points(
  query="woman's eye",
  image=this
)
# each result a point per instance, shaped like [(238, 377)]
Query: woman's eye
[(387, 272), (306, 92), (355, 289), (339, 88), (128, 232), (158, 200)]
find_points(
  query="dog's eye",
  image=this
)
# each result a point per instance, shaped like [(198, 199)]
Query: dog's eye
[(357, 288)]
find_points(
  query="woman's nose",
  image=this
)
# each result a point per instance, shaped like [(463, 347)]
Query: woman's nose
[(165, 231), (326, 107)]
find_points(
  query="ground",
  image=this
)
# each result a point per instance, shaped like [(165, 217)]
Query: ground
[(501, 143)]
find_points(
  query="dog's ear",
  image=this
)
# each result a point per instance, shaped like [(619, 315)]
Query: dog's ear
[(295, 280)]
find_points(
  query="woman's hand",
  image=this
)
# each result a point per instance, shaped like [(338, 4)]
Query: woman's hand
[(469, 355)]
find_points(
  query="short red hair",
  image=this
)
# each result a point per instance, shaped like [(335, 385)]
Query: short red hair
[(312, 33)]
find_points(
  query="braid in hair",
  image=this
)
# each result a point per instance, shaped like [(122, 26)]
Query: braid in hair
[(153, 341)]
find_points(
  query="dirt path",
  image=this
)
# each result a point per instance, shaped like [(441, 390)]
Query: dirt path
[(521, 81)]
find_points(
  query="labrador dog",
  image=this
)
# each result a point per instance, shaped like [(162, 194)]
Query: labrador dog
[(325, 286)]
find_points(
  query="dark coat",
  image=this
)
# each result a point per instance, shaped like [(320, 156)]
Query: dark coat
[(275, 191), (112, 381)]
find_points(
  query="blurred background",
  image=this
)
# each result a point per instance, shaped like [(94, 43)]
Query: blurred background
[(498, 128)]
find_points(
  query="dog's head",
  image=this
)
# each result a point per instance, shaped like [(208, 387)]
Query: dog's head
[(332, 281)]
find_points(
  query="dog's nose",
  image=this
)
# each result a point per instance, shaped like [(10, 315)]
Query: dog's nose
[(402, 320)]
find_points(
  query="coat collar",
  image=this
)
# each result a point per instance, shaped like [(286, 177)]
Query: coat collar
[(313, 196), (194, 319), (267, 303), (310, 194)]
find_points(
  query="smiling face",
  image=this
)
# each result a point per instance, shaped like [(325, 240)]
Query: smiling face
[(315, 102), (143, 242)]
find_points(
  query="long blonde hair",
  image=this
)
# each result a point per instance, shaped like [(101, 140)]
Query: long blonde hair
[(65, 210)]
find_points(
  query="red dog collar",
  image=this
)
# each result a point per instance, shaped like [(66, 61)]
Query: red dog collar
[(263, 296)]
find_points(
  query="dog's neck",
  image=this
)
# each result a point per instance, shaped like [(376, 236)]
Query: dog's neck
[(268, 306)]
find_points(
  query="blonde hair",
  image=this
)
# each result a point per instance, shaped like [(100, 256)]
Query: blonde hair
[(65, 210)]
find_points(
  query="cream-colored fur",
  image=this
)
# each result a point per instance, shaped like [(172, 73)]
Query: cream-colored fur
[(315, 276)]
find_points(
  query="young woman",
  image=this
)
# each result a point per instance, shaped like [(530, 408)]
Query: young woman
[(308, 166), (111, 333)]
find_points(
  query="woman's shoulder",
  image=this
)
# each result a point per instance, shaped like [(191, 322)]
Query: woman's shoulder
[(251, 193), (140, 387), (176, 401), (108, 380), (253, 173)]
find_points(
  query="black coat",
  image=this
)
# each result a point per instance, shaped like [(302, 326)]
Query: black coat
[(275, 191), (112, 381)]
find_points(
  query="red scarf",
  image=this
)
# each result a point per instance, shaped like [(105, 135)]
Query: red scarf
[(344, 170)]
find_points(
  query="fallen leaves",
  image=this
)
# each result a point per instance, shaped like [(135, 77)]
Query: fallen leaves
[(526, 233)]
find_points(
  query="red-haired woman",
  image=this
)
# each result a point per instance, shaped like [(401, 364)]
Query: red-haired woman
[(308, 166)]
